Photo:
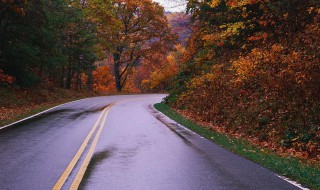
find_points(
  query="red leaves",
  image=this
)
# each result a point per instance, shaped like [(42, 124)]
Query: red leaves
[(260, 36), (270, 93), (6, 79)]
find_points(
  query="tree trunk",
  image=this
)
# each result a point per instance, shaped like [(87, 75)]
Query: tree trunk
[(89, 80), (117, 72), (68, 84), (79, 82), (62, 78)]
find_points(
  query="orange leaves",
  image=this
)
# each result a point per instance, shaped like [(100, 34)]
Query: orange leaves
[(253, 67), (272, 93), (241, 3), (16, 6), (214, 3), (244, 68), (314, 10), (233, 3), (162, 75), (259, 36), (6, 79), (103, 80)]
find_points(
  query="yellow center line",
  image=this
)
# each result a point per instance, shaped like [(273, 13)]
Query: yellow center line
[(84, 166), (75, 159)]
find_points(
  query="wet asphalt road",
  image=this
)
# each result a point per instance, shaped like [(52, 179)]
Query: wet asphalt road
[(138, 149)]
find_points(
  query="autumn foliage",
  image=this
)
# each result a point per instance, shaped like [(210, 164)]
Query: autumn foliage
[(103, 80), (5, 79), (255, 72)]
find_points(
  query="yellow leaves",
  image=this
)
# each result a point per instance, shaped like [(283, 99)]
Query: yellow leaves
[(212, 39), (163, 72), (259, 62), (227, 30), (240, 3), (171, 58), (244, 67), (214, 3), (232, 3), (231, 29), (314, 9), (180, 50)]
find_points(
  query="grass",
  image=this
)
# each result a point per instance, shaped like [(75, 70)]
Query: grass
[(292, 168)]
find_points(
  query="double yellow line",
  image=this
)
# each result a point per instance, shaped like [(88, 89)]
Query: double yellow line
[(76, 182)]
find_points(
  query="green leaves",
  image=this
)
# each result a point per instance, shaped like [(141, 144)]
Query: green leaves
[(48, 37)]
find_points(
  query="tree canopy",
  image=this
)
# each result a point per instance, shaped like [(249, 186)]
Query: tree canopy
[(44, 40), (137, 29)]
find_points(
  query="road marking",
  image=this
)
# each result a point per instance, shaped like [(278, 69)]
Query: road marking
[(292, 182), (76, 182), (75, 159), (169, 120), (84, 166), (32, 116)]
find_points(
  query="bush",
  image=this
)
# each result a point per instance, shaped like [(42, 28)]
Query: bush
[(271, 93)]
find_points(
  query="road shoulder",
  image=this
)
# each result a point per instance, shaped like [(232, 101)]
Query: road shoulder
[(289, 167)]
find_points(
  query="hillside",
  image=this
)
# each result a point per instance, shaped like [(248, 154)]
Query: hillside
[(251, 70), (180, 23)]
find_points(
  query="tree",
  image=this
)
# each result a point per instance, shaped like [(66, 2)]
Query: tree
[(42, 40), (130, 30), (161, 75)]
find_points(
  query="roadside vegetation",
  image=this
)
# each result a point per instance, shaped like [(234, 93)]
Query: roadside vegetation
[(17, 104), (302, 172), (252, 69)]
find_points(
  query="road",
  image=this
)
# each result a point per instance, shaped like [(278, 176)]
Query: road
[(132, 147)]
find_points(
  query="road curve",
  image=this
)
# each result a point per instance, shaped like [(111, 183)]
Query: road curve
[(132, 145)]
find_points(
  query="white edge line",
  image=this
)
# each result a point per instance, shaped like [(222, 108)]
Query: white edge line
[(282, 177), (14, 123), (292, 182), (181, 126)]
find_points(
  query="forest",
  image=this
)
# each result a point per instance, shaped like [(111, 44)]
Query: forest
[(81, 45), (248, 68)]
